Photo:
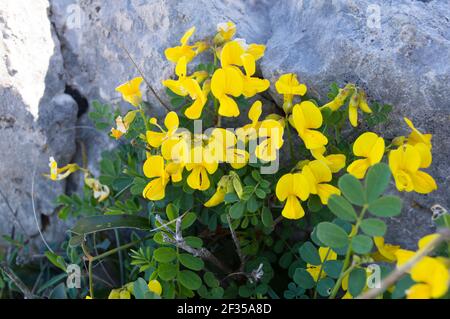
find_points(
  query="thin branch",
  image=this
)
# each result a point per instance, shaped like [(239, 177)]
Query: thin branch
[(179, 241), (237, 244), (143, 76), (16, 280), (402, 270)]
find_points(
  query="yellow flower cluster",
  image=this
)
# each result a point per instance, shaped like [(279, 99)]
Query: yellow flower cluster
[(430, 273)]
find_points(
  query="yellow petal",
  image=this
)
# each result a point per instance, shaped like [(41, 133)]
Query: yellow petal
[(377, 151), (181, 67), (419, 291), (154, 166), (198, 178), (312, 114), (313, 139), (425, 154), (255, 112), (257, 50), (325, 191), (155, 189), (300, 187), (231, 54), (292, 209), (187, 35), (155, 287), (353, 115), (217, 198), (228, 107), (321, 171), (171, 121), (359, 168), (249, 64), (364, 144), (284, 186), (423, 182), (336, 162)]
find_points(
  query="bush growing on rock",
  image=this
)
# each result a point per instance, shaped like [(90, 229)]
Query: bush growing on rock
[(216, 214)]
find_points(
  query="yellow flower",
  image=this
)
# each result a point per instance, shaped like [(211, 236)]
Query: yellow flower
[(225, 82), (249, 131), (405, 162), (188, 86), (184, 50), (171, 122), (317, 174), (57, 174), (430, 273), (306, 117), (288, 85), (292, 187), (131, 92), (334, 161), (340, 98), (202, 162), (154, 168), (155, 287), (101, 192), (225, 147), (252, 85), (358, 100), (231, 53), (218, 197), (325, 254), (386, 252), (416, 137), (123, 124), (225, 32), (273, 132), (370, 146)]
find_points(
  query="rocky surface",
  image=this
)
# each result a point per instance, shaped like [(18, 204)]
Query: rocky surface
[(35, 118), (398, 51)]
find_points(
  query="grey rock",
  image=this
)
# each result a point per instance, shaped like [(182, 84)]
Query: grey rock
[(35, 119), (400, 61)]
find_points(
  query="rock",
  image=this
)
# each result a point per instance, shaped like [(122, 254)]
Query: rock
[(36, 119), (394, 50), (95, 33)]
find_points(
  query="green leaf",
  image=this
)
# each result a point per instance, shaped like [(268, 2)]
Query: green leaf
[(164, 254), (285, 260), (211, 280), (352, 189), (191, 262), (189, 279), (309, 253), (303, 278), (325, 286), (252, 204), (362, 244), (386, 206), (267, 217), (237, 210), (231, 198), (377, 181), (332, 235), (140, 288), (373, 227), (193, 241), (171, 211), (333, 268), (92, 224), (56, 260), (188, 220), (356, 281), (167, 271), (341, 208)]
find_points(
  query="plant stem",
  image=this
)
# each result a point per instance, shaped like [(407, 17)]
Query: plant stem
[(320, 271), (291, 145), (347, 255), (144, 118), (400, 271), (122, 277)]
